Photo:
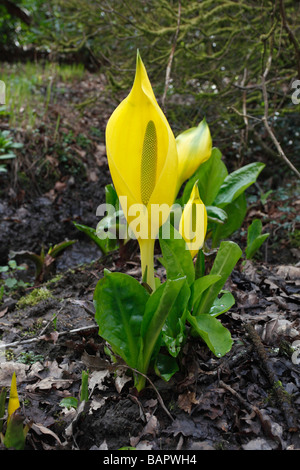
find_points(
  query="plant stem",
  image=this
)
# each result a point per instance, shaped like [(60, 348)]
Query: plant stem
[(140, 382), (147, 260)]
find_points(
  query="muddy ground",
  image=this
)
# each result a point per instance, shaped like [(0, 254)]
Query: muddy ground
[(247, 400)]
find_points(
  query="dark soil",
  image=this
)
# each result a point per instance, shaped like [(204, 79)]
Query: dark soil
[(247, 400)]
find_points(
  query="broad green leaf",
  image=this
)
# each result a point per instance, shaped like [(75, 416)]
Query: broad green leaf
[(210, 176), (228, 255), (178, 310), (236, 212), (15, 434), (254, 238), (237, 182), (4, 269), (11, 282), (211, 330), (200, 264), (199, 286), (120, 303), (165, 366), (174, 329), (215, 214), (69, 402), (222, 304), (175, 342), (176, 257), (159, 305), (7, 156)]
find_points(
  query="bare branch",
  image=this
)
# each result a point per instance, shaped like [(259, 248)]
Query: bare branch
[(268, 128), (169, 66)]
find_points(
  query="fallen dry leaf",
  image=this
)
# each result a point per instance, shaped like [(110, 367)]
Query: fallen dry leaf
[(3, 312), (187, 400), (8, 368)]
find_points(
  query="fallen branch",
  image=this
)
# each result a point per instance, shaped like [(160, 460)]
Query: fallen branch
[(281, 395), (42, 337)]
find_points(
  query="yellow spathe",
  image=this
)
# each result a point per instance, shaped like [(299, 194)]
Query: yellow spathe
[(194, 147), (193, 222), (142, 158), (13, 402), (139, 140)]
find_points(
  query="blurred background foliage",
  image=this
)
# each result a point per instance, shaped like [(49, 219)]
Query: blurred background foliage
[(204, 58)]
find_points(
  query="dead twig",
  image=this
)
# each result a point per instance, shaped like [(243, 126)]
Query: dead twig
[(42, 338), (269, 130)]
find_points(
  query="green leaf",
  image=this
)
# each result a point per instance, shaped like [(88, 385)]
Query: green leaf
[(120, 303), (199, 286), (69, 402), (54, 251), (211, 330), (210, 176), (215, 214), (228, 255), (11, 282), (7, 156), (160, 304), (84, 393), (236, 212), (174, 330), (237, 182), (174, 343), (200, 264), (165, 366), (178, 310), (222, 304), (4, 269), (15, 433), (91, 232), (254, 238), (176, 257), (111, 196)]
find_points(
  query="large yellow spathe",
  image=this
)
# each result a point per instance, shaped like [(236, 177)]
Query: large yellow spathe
[(142, 158)]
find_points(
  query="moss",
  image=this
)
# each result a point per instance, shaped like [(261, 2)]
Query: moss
[(35, 297), (295, 239)]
